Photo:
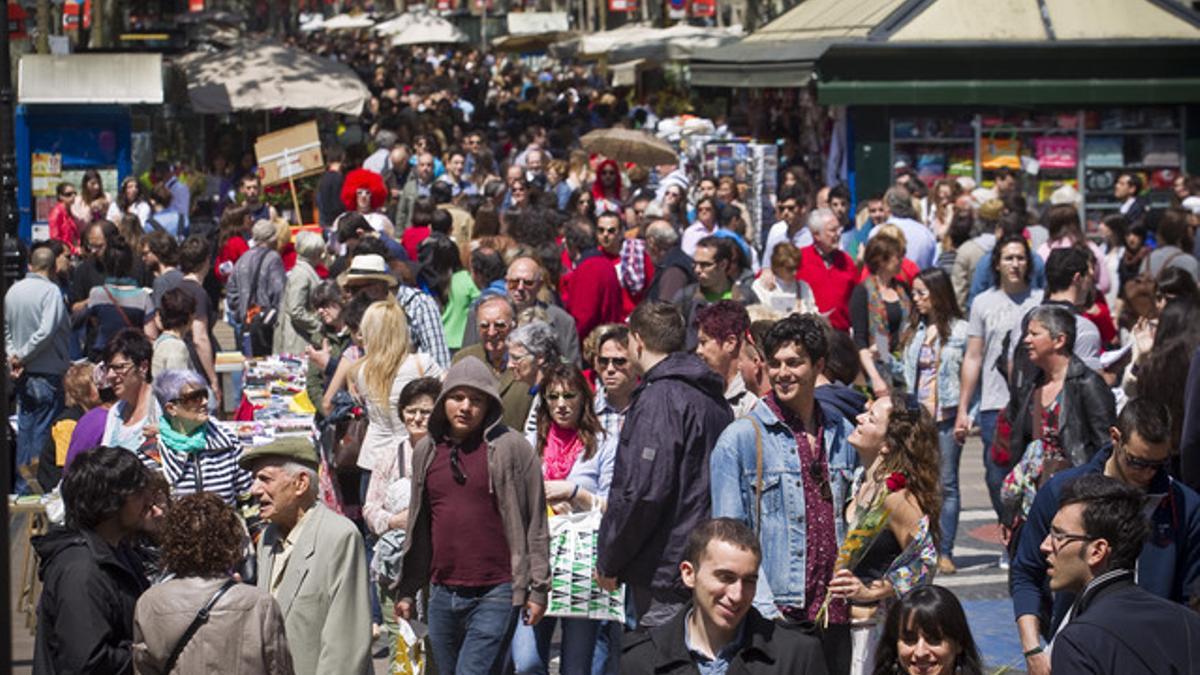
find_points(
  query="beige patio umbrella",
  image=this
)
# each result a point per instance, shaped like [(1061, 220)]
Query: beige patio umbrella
[(629, 145), (271, 76)]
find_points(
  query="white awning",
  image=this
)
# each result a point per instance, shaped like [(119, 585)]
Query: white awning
[(122, 79), (535, 23)]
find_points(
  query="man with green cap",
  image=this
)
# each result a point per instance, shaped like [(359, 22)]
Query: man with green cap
[(312, 560)]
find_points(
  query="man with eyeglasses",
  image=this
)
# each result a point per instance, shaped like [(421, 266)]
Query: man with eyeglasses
[(1094, 549), (477, 529), (635, 270), (790, 210), (713, 263), (784, 470), (495, 318), (1169, 563), (524, 281)]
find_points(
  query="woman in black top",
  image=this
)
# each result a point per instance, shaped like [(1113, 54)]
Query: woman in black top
[(879, 309)]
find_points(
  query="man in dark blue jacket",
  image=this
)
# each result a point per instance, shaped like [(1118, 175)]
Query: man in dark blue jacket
[(1170, 561), (675, 417), (1114, 626)]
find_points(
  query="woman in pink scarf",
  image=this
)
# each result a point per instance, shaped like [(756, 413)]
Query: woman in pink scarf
[(577, 473)]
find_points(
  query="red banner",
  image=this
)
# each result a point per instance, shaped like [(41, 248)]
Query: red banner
[(16, 22), (704, 8), (195, 5), (628, 6)]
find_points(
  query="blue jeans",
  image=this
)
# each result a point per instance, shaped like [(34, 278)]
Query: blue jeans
[(531, 646), (470, 628), (39, 403), (993, 474), (951, 456)]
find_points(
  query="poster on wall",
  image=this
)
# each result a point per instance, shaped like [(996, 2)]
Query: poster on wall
[(46, 170)]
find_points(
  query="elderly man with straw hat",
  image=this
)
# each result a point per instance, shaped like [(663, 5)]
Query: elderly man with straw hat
[(312, 561), (255, 288)]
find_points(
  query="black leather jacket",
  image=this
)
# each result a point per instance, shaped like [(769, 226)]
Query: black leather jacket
[(1088, 411)]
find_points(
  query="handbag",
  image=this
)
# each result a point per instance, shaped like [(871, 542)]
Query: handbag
[(387, 562), (1139, 291), (260, 321), (574, 592), (349, 433), (200, 620), (410, 657)]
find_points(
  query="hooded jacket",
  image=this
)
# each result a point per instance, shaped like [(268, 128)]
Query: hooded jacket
[(515, 474), (660, 486), (85, 615)]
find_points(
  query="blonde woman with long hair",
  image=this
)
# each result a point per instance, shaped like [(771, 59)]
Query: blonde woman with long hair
[(378, 378)]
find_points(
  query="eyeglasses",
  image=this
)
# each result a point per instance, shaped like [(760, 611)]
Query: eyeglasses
[(1136, 462), (518, 283), (615, 361), (704, 209), (119, 369), (417, 412), (608, 172), (485, 326), (191, 398), (1060, 539), (72, 193)]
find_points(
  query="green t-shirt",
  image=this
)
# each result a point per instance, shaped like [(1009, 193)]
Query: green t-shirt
[(458, 306)]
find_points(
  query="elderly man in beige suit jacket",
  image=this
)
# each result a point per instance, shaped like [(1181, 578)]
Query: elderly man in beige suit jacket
[(312, 560)]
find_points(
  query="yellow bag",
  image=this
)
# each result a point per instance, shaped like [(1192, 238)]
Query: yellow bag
[(999, 152), (409, 657)]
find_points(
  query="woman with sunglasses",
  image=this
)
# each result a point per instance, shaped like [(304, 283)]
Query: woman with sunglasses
[(194, 454), (607, 190), (577, 477), (133, 422), (385, 508), (932, 364), (897, 446)]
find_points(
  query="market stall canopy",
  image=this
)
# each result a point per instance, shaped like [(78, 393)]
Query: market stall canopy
[(420, 28), (122, 79), (347, 22), (533, 31), (271, 76), (629, 145), (757, 64), (815, 29), (632, 41)]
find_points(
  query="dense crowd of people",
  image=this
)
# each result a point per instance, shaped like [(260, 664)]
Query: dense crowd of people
[(501, 329)]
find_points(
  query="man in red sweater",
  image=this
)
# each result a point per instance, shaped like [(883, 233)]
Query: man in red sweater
[(635, 269), (591, 293), (827, 269)]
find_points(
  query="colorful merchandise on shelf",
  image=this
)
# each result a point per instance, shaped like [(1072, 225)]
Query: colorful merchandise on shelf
[(1104, 151), (1057, 152)]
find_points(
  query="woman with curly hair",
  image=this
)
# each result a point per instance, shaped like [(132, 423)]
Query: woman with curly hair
[(577, 470), (202, 540), (896, 441)]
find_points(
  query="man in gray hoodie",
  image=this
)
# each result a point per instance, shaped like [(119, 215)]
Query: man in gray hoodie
[(473, 477)]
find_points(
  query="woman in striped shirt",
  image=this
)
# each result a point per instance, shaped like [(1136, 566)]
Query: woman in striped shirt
[(194, 453)]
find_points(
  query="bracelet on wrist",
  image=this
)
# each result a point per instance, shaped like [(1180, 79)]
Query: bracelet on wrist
[(1035, 651)]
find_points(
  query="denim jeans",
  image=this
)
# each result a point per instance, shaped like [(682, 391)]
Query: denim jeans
[(531, 646), (951, 451), (470, 628), (39, 403), (993, 474)]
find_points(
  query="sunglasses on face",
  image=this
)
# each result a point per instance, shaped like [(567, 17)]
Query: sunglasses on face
[(192, 397), (561, 396), (616, 361), (72, 193), (521, 283), (606, 230), (1135, 462)]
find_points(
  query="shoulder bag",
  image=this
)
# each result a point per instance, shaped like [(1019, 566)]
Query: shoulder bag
[(260, 321), (200, 620)]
